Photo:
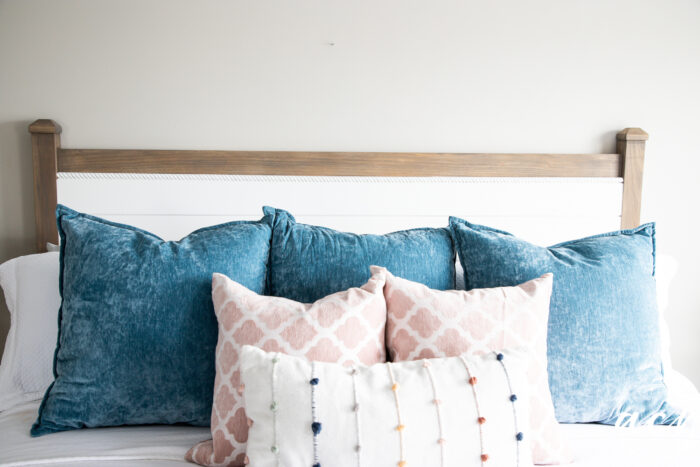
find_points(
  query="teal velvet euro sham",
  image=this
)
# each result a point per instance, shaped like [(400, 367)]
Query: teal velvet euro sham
[(604, 358), (308, 262), (137, 330)]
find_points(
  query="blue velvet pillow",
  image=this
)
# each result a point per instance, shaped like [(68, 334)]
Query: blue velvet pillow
[(308, 262), (137, 330), (604, 357)]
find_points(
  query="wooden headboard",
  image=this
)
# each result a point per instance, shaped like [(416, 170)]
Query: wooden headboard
[(50, 158)]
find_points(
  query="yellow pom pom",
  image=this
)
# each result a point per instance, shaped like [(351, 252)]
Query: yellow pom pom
[(400, 427), (395, 387)]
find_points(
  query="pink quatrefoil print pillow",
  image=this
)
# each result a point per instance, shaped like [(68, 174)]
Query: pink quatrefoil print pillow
[(346, 327), (427, 323)]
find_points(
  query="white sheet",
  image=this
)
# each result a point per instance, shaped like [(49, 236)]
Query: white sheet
[(122, 446), (160, 446), (655, 446)]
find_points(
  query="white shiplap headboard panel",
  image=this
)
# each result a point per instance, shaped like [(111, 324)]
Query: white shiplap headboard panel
[(541, 210)]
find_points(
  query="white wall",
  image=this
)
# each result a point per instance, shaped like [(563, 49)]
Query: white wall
[(399, 75)]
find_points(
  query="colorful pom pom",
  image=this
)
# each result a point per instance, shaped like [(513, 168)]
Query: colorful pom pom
[(402, 463), (313, 381), (481, 420), (400, 427), (442, 441), (519, 436), (484, 457), (395, 387), (274, 449), (437, 401), (499, 357), (317, 464), (472, 380), (513, 398), (316, 428), (273, 406)]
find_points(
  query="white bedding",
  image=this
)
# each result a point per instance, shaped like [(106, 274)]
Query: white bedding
[(655, 446), (121, 446), (593, 445)]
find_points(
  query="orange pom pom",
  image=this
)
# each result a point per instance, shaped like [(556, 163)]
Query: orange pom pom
[(481, 420), (484, 457), (472, 380)]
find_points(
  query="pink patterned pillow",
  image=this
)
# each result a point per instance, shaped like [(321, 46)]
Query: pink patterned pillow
[(345, 327), (427, 323)]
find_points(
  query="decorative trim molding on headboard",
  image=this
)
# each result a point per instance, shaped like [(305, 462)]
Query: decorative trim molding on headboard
[(50, 159)]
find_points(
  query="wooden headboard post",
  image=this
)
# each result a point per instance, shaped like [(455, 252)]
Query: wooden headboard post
[(46, 141), (630, 147)]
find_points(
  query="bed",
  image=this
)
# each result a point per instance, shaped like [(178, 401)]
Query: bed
[(542, 197), (594, 445)]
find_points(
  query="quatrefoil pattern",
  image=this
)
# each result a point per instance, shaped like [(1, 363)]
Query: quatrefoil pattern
[(426, 323), (346, 327)]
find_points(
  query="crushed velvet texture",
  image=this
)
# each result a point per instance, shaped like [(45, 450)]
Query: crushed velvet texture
[(604, 357), (308, 262), (137, 329)]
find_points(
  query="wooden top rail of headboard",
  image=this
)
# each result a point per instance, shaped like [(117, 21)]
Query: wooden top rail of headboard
[(50, 159)]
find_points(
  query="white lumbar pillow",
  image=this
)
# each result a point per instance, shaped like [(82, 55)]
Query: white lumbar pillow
[(424, 412), (30, 284)]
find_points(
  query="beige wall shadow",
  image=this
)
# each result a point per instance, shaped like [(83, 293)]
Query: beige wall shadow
[(16, 200)]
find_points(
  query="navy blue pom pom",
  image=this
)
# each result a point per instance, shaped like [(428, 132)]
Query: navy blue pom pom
[(314, 381), (513, 398), (317, 464), (316, 428), (499, 357), (519, 436)]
